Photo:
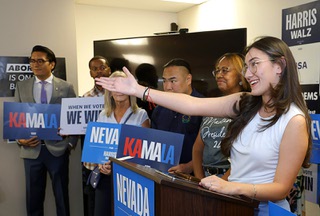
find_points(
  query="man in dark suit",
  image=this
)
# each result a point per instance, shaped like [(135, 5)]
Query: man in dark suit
[(42, 156)]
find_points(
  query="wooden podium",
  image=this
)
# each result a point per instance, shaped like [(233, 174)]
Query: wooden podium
[(176, 197)]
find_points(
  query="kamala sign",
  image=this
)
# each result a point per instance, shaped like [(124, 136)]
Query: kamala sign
[(155, 148)]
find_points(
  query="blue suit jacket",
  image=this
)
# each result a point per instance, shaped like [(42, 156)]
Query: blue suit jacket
[(61, 89)]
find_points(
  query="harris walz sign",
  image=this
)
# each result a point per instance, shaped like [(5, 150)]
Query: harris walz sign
[(300, 24)]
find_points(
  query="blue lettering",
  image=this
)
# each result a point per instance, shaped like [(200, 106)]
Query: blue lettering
[(91, 115), (170, 155), (73, 117)]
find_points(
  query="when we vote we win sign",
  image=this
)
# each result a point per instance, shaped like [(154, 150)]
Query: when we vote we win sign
[(77, 112)]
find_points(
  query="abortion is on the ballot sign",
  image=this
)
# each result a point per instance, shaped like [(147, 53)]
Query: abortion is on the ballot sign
[(25, 120), (155, 148)]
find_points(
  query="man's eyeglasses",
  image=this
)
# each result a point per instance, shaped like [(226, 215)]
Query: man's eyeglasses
[(223, 71), (101, 68), (252, 66), (38, 61)]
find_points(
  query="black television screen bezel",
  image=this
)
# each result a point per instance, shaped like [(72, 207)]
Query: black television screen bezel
[(200, 49)]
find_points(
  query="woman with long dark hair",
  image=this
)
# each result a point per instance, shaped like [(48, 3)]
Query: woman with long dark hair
[(269, 138)]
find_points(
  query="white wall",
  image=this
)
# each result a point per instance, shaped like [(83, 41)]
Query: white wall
[(101, 23), (24, 24), (50, 23), (260, 17)]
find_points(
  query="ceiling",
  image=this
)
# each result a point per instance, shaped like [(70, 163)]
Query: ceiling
[(153, 5)]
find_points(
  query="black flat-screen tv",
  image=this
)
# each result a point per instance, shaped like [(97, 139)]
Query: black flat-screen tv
[(200, 49)]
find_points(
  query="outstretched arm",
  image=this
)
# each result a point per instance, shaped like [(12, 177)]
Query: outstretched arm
[(183, 103)]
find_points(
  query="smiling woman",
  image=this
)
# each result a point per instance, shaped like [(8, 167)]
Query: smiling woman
[(266, 152)]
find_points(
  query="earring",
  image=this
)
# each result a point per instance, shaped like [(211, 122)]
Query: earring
[(240, 83)]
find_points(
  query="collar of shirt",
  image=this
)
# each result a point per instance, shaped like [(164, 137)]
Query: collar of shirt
[(98, 92), (94, 92), (48, 80), (37, 88)]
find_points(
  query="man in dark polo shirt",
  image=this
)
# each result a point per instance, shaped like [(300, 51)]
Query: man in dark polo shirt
[(177, 78)]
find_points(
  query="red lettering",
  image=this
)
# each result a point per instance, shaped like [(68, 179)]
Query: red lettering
[(137, 148), (22, 120), (13, 120), (128, 146)]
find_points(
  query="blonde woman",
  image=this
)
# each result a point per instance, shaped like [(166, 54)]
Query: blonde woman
[(119, 109)]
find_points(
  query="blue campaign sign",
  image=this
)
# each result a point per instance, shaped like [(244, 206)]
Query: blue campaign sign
[(155, 148), (300, 24), (26, 120), (275, 210), (101, 142), (315, 128), (133, 193), (315, 132)]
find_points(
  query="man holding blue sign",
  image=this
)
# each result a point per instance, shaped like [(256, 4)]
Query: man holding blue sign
[(42, 156), (99, 67)]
